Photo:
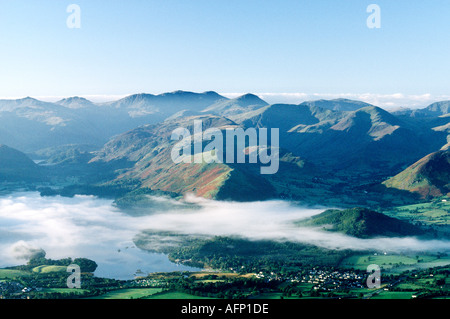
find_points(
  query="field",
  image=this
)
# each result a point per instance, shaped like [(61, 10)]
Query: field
[(274, 295), (395, 263), (12, 273), (436, 212), (46, 269), (175, 295), (131, 293), (63, 290), (394, 295), (218, 275)]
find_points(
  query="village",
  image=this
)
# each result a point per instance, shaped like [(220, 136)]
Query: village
[(322, 280)]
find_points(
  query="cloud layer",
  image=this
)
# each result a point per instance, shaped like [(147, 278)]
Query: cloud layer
[(85, 226)]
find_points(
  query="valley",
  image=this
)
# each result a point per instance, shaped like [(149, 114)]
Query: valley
[(356, 185)]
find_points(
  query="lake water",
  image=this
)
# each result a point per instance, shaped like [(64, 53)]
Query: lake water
[(83, 226)]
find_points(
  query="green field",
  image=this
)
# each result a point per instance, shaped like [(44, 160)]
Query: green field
[(12, 273), (274, 295), (63, 290), (131, 293), (46, 269), (410, 286), (175, 295), (436, 212), (394, 295), (395, 263)]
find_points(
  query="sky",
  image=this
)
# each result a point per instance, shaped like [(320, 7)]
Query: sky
[(287, 50)]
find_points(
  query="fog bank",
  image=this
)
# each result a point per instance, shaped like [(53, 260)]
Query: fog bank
[(85, 226)]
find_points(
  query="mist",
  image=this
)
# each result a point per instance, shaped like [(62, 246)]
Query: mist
[(86, 226)]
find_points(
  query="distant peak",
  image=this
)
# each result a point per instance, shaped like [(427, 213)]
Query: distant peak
[(250, 98), (74, 98), (28, 98), (138, 96), (213, 93), (177, 92), (74, 102)]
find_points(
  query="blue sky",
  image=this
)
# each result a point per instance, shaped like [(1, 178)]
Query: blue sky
[(302, 48)]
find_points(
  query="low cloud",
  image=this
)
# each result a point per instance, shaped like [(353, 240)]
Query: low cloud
[(23, 250), (85, 226)]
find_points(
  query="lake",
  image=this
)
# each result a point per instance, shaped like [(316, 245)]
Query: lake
[(91, 227), (82, 226)]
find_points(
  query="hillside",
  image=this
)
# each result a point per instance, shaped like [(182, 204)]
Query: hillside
[(369, 139), (142, 158), (433, 110), (15, 166), (324, 155), (147, 154), (242, 104), (30, 125), (430, 176), (165, 104), (362, 223), (338, 104), (329, 150)]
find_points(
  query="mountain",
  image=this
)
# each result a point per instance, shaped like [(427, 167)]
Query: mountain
[(430, 176), (29, 124), (286, 116), (75, 102), (362, 223), (69, 154), (308, 129), (244, 103), (328, 148), (338, 104), (166, 104), (438, 108), (369, 139), (143, 160), (433, 110), (15, 166), (147, 154)]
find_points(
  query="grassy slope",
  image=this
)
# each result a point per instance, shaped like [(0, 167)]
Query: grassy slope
[(430, 176), (16, 166), (361, 222)]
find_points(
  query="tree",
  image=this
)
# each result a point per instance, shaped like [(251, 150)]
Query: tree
[(86, 265)]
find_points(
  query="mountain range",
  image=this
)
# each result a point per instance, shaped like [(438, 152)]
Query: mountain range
[(339, 148)]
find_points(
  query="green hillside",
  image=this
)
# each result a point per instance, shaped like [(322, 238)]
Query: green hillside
[(15, 166), (430, 176), (362, 223)]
